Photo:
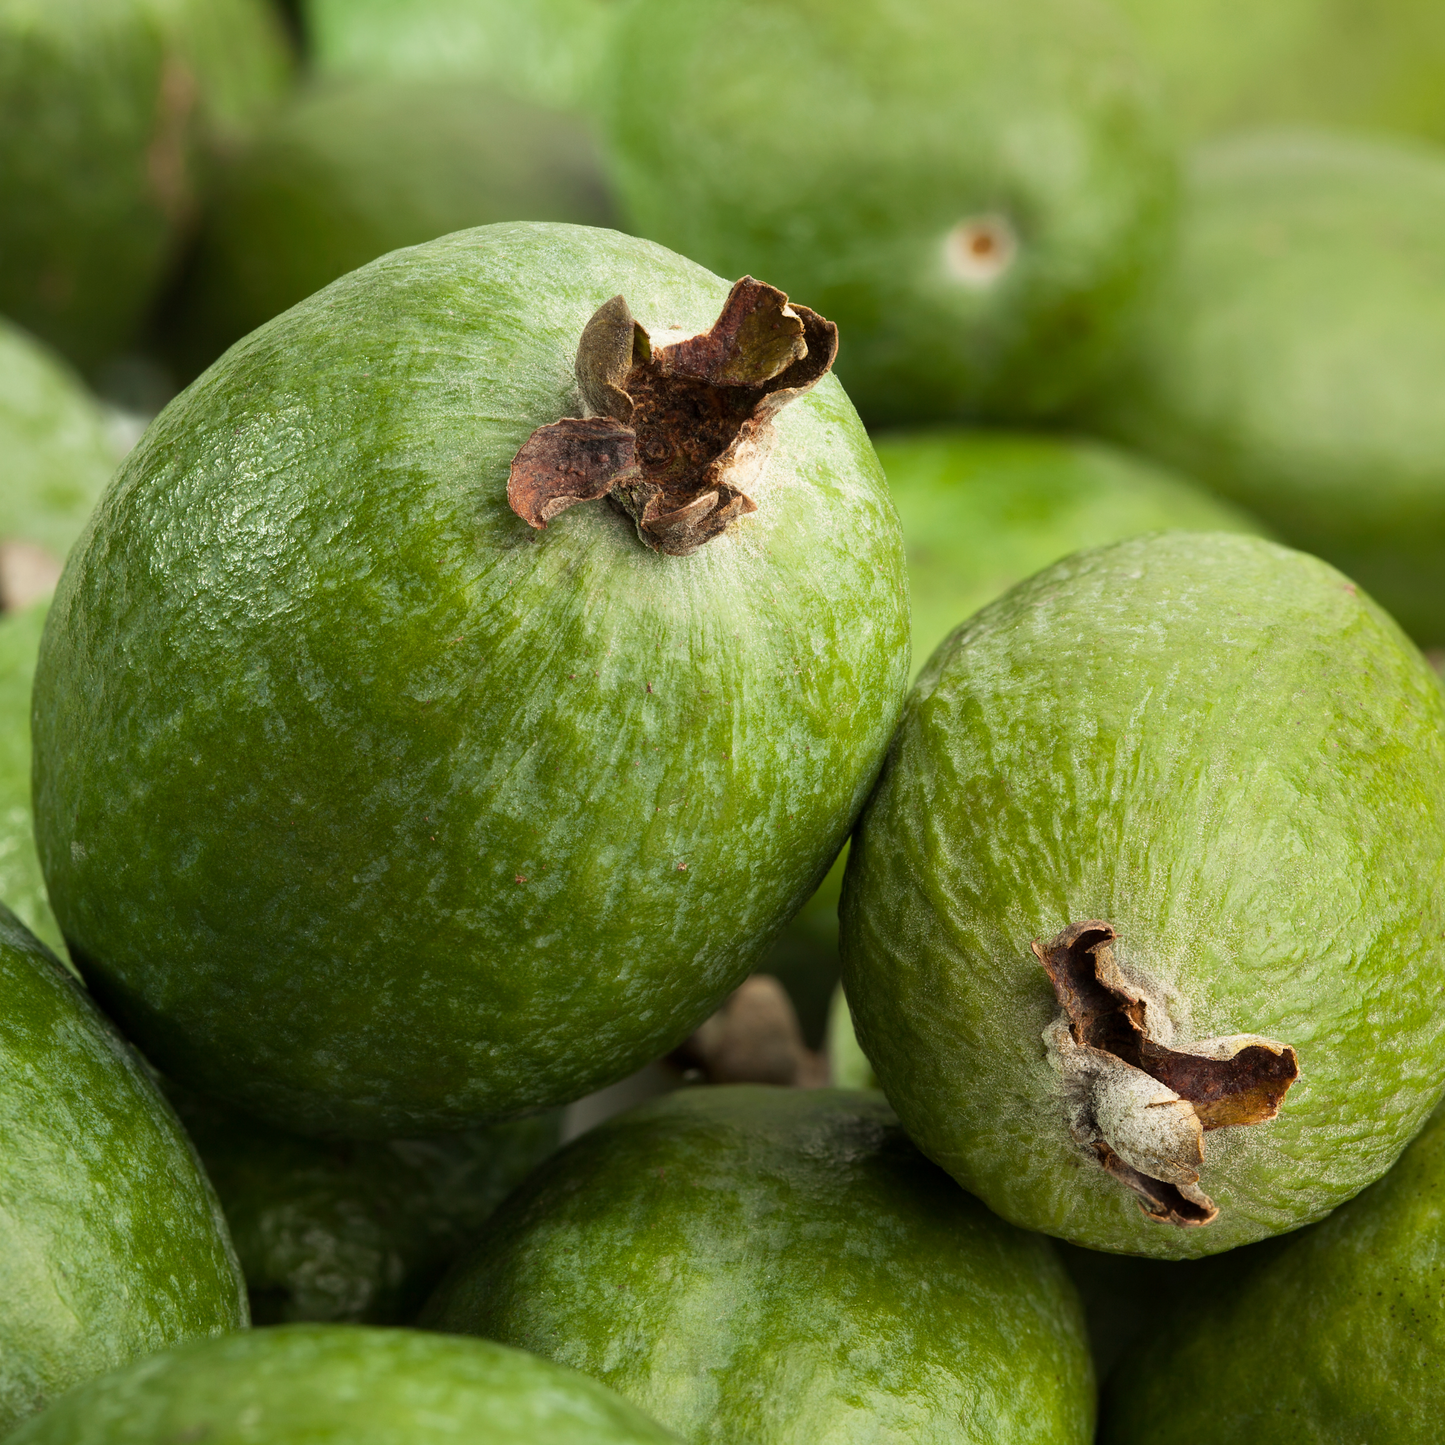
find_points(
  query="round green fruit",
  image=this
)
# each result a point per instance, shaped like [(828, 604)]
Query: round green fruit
[(107, 110), (354, 1231), (1144, 927), (352, 170), (112, 1245), (1293, 355), (342, 1385), (1334, 1336), (756, 1265), (971, 190), (374, 809)]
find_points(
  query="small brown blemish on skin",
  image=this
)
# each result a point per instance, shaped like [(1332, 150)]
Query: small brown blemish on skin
[(980, 249), (674, 436), (1139, 1106), (520, 879)]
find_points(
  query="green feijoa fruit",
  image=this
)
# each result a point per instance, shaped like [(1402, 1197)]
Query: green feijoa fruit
[(374, 808), (111, 1241), (756, 1265), (22, 886), (107, 108), (900, 167), (1293, 355), (548, 51), (352, 170), (349, 1230), (1334, 1335), (343, 1385), (982, 510), (1144, 928)]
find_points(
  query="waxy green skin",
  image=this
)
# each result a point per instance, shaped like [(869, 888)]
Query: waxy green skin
[(1292, 355), (112, 1244), (352, 170), (107, 110), (1228, 752), (370, 809), (763, 1265), (1336, 1336), (348, 1230), (343, 1385), (832, 148)]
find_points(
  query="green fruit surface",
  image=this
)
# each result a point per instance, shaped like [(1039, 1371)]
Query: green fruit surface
[(106, 110), (22, 885), (1335, 1337), (111, 1241), (1227, 751), (833, 148), (1293, 356), (56, 450), (982, 510), (349, 1230), (342, 1385), (370, 809), (352, 170), (756, 1265)]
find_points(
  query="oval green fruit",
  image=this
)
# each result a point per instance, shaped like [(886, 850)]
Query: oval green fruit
[(371, 809), (1292, 356), (1335, 1335), (756, 1265), (343, 1385), (1160, 828), (902, 169), (353, 1230), (111, 1241), (349, 171)]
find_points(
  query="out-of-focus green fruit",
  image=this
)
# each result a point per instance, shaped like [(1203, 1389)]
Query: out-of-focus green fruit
[(1160, 828), (971, 190), (847, 1063), (111, 1242), (375, 811), (352, 170), (1293, 356), (343, 1385), (1335, 1335), (548, 51), (354, 1230), (106, 110), (756, 1265)]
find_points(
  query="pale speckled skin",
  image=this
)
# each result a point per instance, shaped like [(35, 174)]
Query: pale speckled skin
[(112, 1244), (370, 809), (1236, 758), (342, 1385), (763, 1266), (1335, 1339)]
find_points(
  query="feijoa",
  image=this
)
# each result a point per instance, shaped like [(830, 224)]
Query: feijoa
[(379, 808), (112, 1245), (759, 1265), (1144, 927)]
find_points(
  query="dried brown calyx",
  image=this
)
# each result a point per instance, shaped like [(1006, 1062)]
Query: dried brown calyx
[(1139, 1106), (674, 435), (754, 1038)]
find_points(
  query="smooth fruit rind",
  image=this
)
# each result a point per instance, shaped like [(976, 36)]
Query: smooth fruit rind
[(1228, 753)]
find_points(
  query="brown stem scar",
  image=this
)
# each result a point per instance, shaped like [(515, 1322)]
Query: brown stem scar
[(1138, 1105), (674, 435)]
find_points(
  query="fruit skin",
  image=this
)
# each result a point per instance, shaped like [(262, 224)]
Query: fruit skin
[(347, 1230), (831, 149), (106, 110), (1293, 354), (1230, 753), (1337, 1334), (352, 170), (112, 1244), (760, 1264), (319, 1384), (375, 813)]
